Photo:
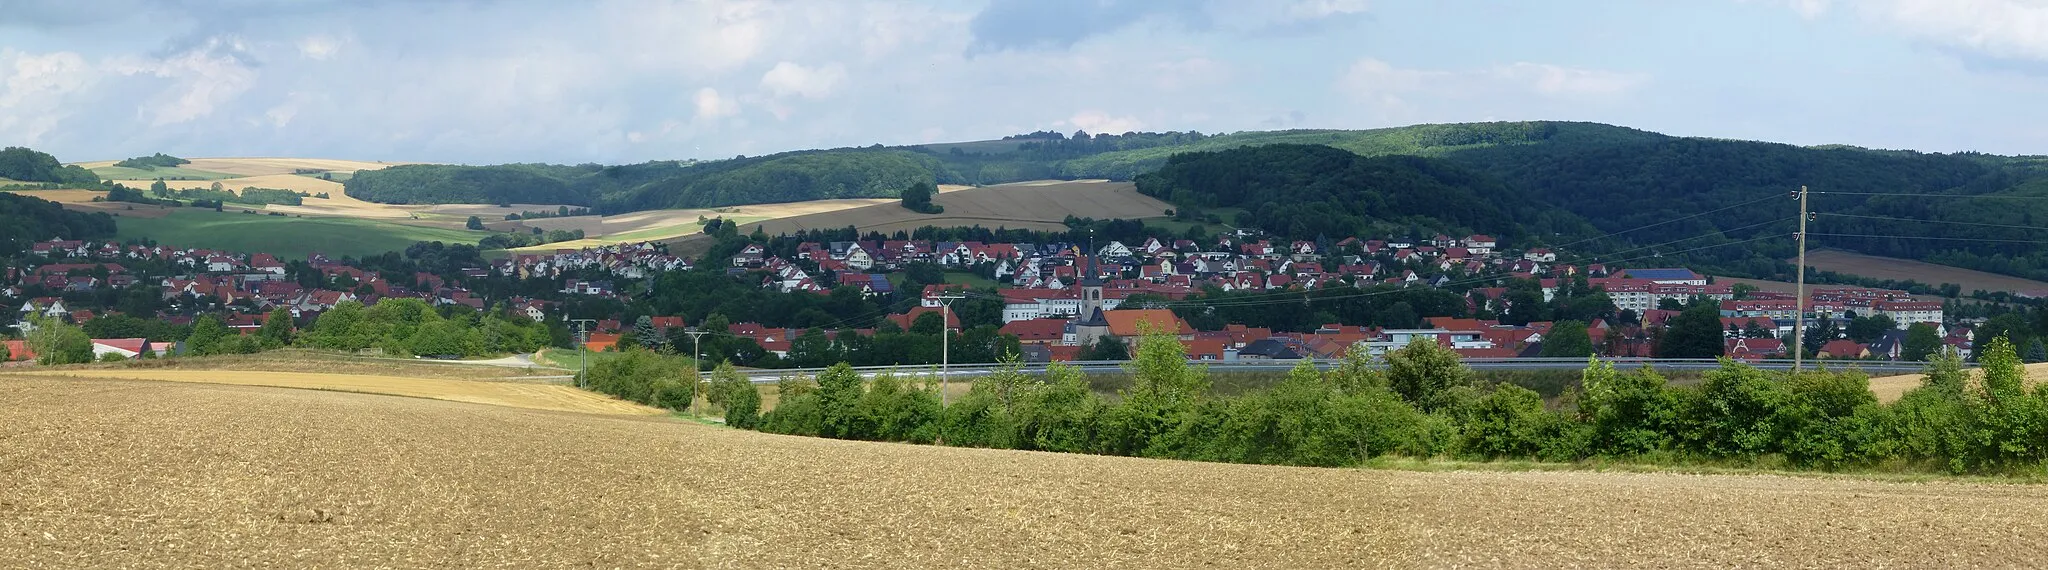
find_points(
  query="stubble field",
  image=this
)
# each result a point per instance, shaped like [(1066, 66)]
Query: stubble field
[(1042, 205), (1903, 269), (118, 473)]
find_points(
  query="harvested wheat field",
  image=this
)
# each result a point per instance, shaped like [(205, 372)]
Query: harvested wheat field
[(1030, 205), (263, 166), (1903, 269), (110, 473), (70, 196), (1890, 388), (656, 225), (512, 394)]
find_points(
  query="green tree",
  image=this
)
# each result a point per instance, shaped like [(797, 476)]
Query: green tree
[(1108, 347), (839, 403), (732, 392), (277, 328), (209, 337), (56, 342), (918, 198), (1568, 339), (648, 336), (641, 376), (2010, 326), (1922, 341), (813, 349), (474, 223), (1693, 333), (1868, 329), (1737, 412), (1428, 375)]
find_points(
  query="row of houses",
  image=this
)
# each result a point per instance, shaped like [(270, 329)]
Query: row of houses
[(621, 261)]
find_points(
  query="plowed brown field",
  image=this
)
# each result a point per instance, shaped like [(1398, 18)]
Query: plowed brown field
[(111, 473)]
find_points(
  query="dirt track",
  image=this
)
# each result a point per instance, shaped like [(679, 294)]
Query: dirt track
[(107, 473)]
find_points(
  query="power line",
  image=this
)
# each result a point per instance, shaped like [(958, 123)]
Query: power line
[(1973, 224), (1934, 238), (1673, 220), (1930, 195), (1715, 232)]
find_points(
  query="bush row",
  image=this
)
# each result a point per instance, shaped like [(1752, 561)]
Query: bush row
[(1421, 402)]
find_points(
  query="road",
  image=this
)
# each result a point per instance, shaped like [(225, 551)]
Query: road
[(959, 371)]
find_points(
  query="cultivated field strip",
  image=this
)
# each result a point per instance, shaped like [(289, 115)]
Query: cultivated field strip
[(1031, 205), (512, 394), (106, 473)]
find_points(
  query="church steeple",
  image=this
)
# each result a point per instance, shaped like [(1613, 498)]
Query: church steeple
[(1091, 290)]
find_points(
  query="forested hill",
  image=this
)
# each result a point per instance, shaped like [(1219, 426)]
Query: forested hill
[(21, 164), (25, 220), (1973, 210), (1718, 204), (785, 177), (1312, 191)]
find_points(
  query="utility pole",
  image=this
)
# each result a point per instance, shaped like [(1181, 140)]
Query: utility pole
[(582, 346), (1799, 291), (696, 364), (945, 343)]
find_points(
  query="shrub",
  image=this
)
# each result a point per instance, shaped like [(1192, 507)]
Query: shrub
[(640, 376), (1736, 414), (1831, 419), (892, 410), (736, 395), (1428, 375), (1511, 422)]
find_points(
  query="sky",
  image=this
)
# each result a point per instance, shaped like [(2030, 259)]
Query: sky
[(622, 81)]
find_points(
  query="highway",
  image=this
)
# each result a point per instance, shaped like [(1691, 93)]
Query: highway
[(968, 371)]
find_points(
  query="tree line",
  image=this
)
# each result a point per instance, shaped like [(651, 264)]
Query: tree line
[(25, 220), (1421, 402), (398, 327)]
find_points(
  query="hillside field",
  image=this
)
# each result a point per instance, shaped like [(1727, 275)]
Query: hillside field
[(129, 473), (1902, 269), (283, 236), (1042, 205)]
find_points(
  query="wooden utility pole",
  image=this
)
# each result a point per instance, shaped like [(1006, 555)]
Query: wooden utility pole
[(1799, 292)]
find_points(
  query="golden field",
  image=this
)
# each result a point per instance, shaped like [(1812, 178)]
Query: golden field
[(1040, 205), (128, 473)]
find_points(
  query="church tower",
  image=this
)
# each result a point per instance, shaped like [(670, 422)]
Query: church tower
[(1091, 325)]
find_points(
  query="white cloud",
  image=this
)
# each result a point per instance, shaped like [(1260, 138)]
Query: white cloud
[(201, 80), (788, 78), (1559, 81), (319, 47), (711, 105), (1318, 9), (1098, 122), (34, 90), (1381, 82), (2013, 29)]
